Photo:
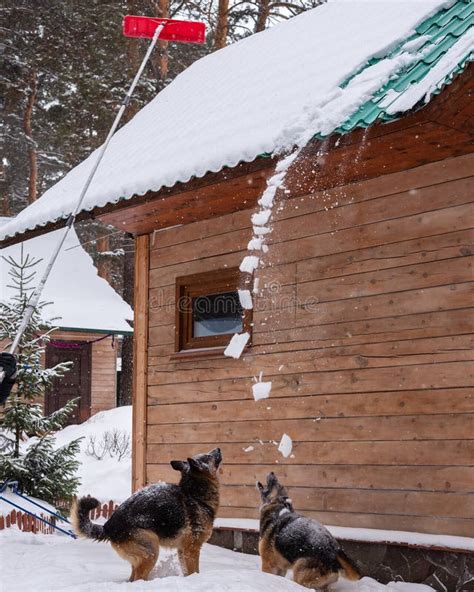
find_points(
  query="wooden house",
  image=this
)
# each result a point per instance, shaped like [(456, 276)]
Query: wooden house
[(91, 319), (362, 319)]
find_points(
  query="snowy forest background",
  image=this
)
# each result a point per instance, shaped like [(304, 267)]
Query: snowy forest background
[(65, 68)]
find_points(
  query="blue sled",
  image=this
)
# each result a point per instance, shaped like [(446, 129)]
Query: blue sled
[(13, 485)]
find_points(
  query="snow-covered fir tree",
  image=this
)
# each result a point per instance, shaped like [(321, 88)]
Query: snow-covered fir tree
[(40, 469)]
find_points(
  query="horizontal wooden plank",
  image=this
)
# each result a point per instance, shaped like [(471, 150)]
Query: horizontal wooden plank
[(406, 477), (421, 250), (376, 235), (388, 521), (258, 359), (317, 499), (234, 402), (370, 307), (401, 254), (372, 331), (311, 294), (320, 429), (389, 184), (404, 228), (334, 217), (163, 276), (397, 151), (436, 452), (351, 377), (422, 275), (338, 334), (382, 209)]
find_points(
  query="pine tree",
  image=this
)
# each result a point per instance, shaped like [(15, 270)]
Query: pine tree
[(40, 469)]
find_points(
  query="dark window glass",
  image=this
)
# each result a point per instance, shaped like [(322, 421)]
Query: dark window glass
[(217, 314)]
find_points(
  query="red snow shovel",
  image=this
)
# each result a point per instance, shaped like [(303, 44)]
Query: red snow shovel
[(182, 31), (133, 26)]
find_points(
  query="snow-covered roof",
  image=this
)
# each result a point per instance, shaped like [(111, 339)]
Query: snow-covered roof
[(309, 74), (80, 298)]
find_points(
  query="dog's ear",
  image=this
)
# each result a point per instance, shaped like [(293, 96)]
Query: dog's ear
[(179, 465), (194, 464), (263, 492)]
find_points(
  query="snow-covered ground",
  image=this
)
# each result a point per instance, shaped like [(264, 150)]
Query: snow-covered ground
[(106, 479), (50, 563)]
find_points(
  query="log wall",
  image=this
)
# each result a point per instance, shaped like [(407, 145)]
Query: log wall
[(364, 327)]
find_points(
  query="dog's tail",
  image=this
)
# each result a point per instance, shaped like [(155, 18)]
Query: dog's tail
[(81, 522), (350, 569)]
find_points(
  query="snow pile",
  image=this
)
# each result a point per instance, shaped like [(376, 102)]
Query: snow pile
[(59, 564), (245, 99), (81, 299), (399, 102), (109, 478)]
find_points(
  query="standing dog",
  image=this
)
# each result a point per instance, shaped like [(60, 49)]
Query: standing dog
[(179, 516), (290, 541)]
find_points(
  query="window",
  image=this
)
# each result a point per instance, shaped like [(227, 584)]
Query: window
[(208, 310)]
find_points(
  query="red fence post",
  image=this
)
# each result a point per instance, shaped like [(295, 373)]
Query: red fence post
[(27, 523)]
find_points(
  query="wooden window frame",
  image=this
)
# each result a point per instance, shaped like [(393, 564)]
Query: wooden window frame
[(204, 284)]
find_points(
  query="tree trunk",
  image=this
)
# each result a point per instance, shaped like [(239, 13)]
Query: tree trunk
[(126, 378), (27, 128), (220, 36), (132, 43), (163, 11), (262, 15), (103, 262)]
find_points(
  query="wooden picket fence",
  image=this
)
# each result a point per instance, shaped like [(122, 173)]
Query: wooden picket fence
[(27, 523)]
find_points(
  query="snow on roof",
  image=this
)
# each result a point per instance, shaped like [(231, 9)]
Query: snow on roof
[(80, 298), (245, 100)]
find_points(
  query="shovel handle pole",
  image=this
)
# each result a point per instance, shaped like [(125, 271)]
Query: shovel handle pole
[(33, 301)]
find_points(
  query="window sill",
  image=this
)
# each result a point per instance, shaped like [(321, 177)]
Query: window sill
[(204, 352), (198, 353)]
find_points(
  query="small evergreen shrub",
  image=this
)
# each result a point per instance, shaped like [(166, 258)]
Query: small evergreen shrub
[(41, 469)]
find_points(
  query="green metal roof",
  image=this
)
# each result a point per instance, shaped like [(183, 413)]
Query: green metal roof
[(436, 36)]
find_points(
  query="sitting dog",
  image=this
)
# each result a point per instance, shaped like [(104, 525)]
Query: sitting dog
[(179, 516), (290, 541)]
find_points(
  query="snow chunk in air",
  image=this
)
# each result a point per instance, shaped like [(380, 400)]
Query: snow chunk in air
[(249, 264), (245, 298), (285, 446), (237, 345)]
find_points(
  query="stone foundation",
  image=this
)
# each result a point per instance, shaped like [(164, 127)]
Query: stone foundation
[(442, 569)]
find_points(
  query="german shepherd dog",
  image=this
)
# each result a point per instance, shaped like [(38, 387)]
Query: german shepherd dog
[(291, 541), (179, 516)]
